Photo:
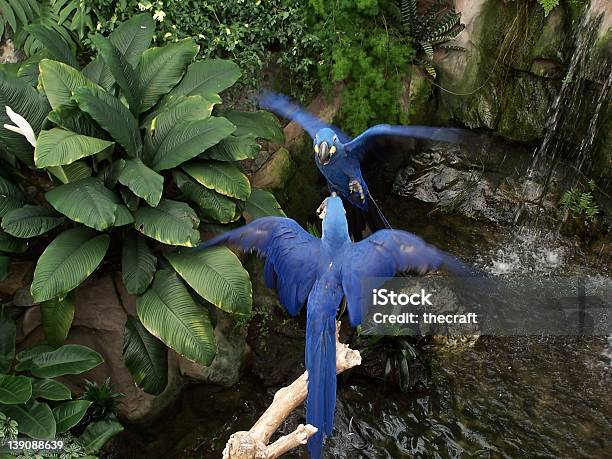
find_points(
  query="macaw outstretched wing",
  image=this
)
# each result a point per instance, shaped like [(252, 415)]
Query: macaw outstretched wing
[(361, 144), (385, 254), (291, 254), (287, 108)]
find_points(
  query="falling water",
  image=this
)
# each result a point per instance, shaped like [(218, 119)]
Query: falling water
[(575, 101)]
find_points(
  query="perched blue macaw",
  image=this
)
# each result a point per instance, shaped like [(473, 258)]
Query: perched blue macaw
[(339, 157), (303, 268)]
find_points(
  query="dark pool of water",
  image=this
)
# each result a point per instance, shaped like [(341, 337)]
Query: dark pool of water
[(519, 397)]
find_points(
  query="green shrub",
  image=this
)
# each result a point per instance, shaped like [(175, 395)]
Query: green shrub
[(34, 403), (254, 34), (139, 157), (368, 53)]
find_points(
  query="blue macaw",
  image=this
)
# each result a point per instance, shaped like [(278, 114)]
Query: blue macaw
[(303, 268), (339, 157)]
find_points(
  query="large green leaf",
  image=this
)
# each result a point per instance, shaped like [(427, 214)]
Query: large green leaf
[(209, 76), (11, 197), (50, 389), (187, 140), (160, 69), (131, 38), (71, 172), (142, 181), (138, 264), (262, 203), (29, 103), (233, 148), (35, 419), (67, 261), (224, 178), (70, 359), (98, 433), (60, 81), (59, 147), (123, 73), (212, 204), (7, 343), (30, 221), (217, 275), (260, 124), (185, 109), (114, 117), (69, 414), (25, 358), (85, 201), (75, 120), (171, 222), (56, 319), (11, 244), (15, 389), (54, 44), (169, 312), (145, 357)]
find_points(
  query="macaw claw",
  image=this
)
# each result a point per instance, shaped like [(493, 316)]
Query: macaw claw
[(322, 209), (355, 187)]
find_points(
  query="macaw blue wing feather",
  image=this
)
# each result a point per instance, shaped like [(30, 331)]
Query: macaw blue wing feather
[(361, 144), (287, 108), (385, 254), (291, 256)]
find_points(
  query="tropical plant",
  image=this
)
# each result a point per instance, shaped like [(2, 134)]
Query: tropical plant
[(138, 154), (433, 29), (580, 204), (104, 400), (28, 20), (34, 403), (399, 355)]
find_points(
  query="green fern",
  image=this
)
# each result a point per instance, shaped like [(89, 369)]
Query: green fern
[(548, 5), (434, 29), (580, 203)]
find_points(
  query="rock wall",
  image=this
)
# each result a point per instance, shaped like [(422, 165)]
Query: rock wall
[(512, 68)]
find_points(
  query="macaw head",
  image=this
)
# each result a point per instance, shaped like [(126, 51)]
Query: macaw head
[(332, 213), (327, 146)]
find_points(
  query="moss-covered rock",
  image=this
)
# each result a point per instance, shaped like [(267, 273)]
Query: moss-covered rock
[(510, 74), (418, 103), (275, 172), (525, 113)]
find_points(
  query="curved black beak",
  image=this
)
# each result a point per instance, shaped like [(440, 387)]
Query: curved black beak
[(324, 155)]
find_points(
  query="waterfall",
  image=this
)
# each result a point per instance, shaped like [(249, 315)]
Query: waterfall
[(575, 116)]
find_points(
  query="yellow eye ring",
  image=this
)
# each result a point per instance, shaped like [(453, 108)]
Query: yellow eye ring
[(332, 150), (316, 148)]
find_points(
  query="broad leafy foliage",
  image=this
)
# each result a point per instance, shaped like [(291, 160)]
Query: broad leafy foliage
[(137, 157)]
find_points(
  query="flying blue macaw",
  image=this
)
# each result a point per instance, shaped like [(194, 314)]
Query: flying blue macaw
[(303, 268), (339, 157)]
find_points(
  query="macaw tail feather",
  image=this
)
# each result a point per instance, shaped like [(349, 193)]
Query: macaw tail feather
[(321, 366)]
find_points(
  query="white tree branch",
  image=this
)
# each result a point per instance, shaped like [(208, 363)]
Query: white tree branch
[(253, 444)]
